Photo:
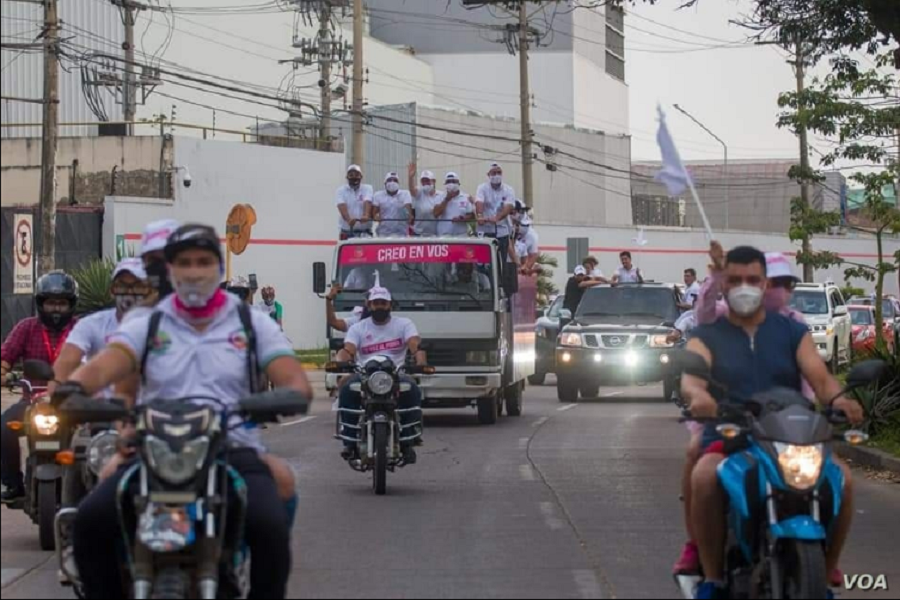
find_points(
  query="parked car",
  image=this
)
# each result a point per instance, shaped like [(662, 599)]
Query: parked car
[(864, 329), (546, 331), (890, 308), (829, 321)]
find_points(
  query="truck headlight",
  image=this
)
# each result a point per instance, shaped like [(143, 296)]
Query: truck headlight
[(45, 420), (571, 340), (380, 383), (176, 467), (800, 465), (660, 341), (101, 449)]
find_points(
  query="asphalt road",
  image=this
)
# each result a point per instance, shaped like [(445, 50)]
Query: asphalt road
[(567, 501)]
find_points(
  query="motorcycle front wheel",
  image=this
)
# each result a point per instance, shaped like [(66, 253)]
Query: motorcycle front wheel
[(379, 473), (47, 505), (803, 570)]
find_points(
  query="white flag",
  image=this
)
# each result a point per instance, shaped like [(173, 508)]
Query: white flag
[(673, 174)]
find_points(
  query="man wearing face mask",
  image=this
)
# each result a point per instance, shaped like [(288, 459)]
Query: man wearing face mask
[(35, 338), (425, 198), (749, 351), (527, 250), (153, 244), (495, 201), (354, 203), (381, 335), (393, 208), (454, 209)]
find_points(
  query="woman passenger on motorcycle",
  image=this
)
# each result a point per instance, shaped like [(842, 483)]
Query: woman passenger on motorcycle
[(198, 350)]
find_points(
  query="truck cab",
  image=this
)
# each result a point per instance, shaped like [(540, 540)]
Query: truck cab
[(475, 314)]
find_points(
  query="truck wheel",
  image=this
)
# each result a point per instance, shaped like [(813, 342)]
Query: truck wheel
[(514, 400), (590, 391), (537, 378), (487, 410), (566, 390)]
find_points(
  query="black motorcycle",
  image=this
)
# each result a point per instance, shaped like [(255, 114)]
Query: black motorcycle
[(379, 431), (187, 505)]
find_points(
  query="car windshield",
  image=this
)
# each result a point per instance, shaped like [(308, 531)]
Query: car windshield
[(810, 302), (861, 316), (887, 306), (419, 276), (630, 302)]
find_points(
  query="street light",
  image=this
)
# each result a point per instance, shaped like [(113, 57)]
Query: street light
[(724, 145)]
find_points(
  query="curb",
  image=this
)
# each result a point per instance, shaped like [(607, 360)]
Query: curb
[(869, 457)]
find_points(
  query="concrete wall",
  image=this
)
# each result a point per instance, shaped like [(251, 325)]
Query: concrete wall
[(137, 162), (600, 100)]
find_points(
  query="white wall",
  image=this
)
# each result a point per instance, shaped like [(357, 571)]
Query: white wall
[(601, 100)]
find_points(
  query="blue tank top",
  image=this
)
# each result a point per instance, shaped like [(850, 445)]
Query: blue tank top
[(749, 366)]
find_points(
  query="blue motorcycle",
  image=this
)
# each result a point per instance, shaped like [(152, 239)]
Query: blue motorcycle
[(783, 488)]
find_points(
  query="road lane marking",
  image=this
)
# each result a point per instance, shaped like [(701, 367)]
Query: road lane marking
[(523, 443), (540, 421), (566, 407), (550, 518), (611, 394), (587, 584), (297, 422), (526, 472)]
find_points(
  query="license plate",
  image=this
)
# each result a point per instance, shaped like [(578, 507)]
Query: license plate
[(47, 445), (166, 528)]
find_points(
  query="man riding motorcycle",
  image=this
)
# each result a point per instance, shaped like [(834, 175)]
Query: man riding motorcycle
[(194, 344), (380, 335), (35, 338), (750, 350)]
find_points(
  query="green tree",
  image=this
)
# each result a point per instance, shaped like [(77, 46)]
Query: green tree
[(545, 286)]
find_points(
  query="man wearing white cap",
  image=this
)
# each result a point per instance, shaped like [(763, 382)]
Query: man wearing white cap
[(129, 288), (454, 209), (526, 245), (354, 203), (495, 201), (393, 208), (381, 335), (153, 244), (425, 198)]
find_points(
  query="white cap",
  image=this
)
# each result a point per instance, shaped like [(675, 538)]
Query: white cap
[(356, 168), (135, 266), (580, 270), (451, 175), (391, 175), (379, 293), (156, 234), (777, 265), (427, 175)]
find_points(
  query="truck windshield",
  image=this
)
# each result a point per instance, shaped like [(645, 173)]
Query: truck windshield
[(420, 276)]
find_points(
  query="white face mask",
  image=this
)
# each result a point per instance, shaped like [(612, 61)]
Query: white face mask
[(745, 300), (392, 187), (196, 293), (452, 188), (428, 188), (496, 179)]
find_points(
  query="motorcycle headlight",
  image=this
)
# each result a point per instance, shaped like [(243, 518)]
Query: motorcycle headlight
[(660, 341), (45, 420), (101, 449), (800, 465), (380, 383), (176, 467), (572, 340)]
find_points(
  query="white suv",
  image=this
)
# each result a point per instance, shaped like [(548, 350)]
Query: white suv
[(829, 321)]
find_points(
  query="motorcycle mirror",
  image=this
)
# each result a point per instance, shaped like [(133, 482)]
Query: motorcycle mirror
[(865, 373), (38, 370)]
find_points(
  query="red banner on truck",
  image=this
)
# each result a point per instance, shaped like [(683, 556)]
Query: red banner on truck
[(371, 254)]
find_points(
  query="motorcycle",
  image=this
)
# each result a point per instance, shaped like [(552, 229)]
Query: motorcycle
[(380, 433), (784, 489), (187, 504)]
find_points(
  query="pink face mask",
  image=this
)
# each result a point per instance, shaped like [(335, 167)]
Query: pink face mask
[(777, 298)]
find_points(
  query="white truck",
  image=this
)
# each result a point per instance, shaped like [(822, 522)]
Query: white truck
[(476, 315)]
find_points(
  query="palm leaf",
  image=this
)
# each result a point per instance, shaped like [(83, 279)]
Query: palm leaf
[(94, 280)]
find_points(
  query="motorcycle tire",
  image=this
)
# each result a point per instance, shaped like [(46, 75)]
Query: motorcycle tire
[(379, 473), (803, 570), (47, 505), (170, 584)]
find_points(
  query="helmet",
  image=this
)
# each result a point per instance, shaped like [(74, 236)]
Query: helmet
[(56, 285), (193, 235)]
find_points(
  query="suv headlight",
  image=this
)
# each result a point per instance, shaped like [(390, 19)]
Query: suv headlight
[(660, 341), (380, 383), (571, 340), (101, 449), (45, 420), (800, 465), (176, 467)]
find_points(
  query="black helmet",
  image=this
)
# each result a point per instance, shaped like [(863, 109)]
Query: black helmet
[(56, 285), (193, 235)]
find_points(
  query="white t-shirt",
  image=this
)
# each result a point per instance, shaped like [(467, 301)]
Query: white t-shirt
[(692, 293), (460, 206), (360, 278), (494, 201), (686, 322), (528, 245), (626, 276), (426, 225), (394, 213), (183, 362), (355, 201), (389, 340), (91, 334)]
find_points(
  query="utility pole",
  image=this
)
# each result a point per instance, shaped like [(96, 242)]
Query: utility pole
[(358, 148), (525, 107), (800, 73), (129, 88), (325, 57), (49, 135)]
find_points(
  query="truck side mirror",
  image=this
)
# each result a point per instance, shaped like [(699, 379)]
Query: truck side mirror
[(319, 278), (510, 279)]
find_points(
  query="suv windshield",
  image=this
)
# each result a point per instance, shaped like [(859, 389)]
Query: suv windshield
[(810, 302), (630, 303), (861, 316)]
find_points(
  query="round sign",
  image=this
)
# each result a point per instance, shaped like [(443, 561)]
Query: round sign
[(24, 243)]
